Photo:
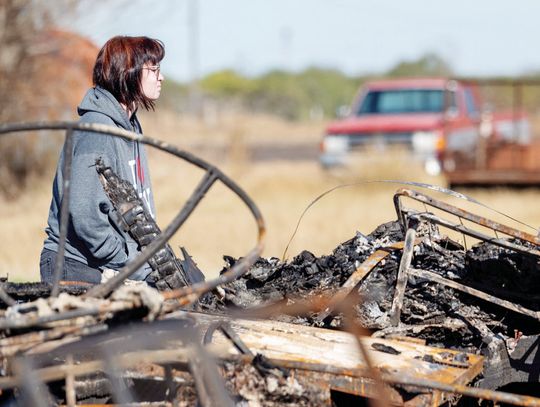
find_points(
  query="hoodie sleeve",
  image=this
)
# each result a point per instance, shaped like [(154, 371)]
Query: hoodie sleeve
[(90, 207)]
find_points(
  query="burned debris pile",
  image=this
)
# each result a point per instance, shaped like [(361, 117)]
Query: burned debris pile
[(471, 312), (405, 314), (481, 299), (438, 314)]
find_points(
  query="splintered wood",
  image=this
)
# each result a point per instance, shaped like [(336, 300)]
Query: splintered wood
[(336, 355)]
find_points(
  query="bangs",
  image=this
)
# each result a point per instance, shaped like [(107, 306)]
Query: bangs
[(154, 50)]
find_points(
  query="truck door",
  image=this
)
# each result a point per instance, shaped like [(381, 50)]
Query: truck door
[(462, 128)]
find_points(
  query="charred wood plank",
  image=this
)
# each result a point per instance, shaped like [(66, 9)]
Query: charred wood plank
[(337, 353), (403, 271), (358, 276), (135, 219), (4, 296)]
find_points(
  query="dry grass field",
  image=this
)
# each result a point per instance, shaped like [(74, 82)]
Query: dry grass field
[(282, 189)]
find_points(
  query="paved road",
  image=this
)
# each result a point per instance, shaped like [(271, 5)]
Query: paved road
[(260, 152), (292, 152)]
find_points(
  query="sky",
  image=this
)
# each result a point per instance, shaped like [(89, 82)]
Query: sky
[(476, 37)]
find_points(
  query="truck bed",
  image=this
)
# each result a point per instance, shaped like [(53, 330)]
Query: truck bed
[(500, 164)]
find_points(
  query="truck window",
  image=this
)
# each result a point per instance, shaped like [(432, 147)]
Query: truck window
[(402, 101)]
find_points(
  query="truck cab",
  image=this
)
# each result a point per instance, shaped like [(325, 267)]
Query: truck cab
[(418, 114)]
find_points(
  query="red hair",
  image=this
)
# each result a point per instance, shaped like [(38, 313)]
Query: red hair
[(119, 66)]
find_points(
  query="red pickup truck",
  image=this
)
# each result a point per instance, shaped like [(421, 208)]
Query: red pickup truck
[(437, 119)]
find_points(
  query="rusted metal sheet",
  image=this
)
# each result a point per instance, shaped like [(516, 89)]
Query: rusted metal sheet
[(502, 163), (493, 177)]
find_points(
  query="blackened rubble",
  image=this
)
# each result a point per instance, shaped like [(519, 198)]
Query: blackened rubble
[(439, 314), (272, 280)]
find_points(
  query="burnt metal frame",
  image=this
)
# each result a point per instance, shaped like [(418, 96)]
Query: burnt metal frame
[(212, 174), (403, 214), (409, 221)]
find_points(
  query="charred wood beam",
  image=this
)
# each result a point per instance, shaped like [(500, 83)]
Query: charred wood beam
[(337, 351), (4, 296), (135, 219), (402, 277), (105, 288)]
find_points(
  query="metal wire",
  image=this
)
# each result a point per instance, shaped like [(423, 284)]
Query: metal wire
[(432, 187)]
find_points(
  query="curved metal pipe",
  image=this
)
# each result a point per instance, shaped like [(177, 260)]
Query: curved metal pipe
[(194, 291)]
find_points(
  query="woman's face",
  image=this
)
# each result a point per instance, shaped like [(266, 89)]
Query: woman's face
[(151, 81)]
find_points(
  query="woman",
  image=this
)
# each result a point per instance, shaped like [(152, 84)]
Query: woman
[(126, 76)]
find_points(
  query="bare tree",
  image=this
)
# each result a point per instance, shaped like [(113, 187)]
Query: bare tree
[(43, 74)]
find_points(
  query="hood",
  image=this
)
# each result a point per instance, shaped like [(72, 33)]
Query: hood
[(401, 123), (102, 101)]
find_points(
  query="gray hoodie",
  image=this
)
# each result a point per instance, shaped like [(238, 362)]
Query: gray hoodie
[(93, 235)]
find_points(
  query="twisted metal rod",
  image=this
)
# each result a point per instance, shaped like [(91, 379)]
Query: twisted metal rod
[(213, 174)]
